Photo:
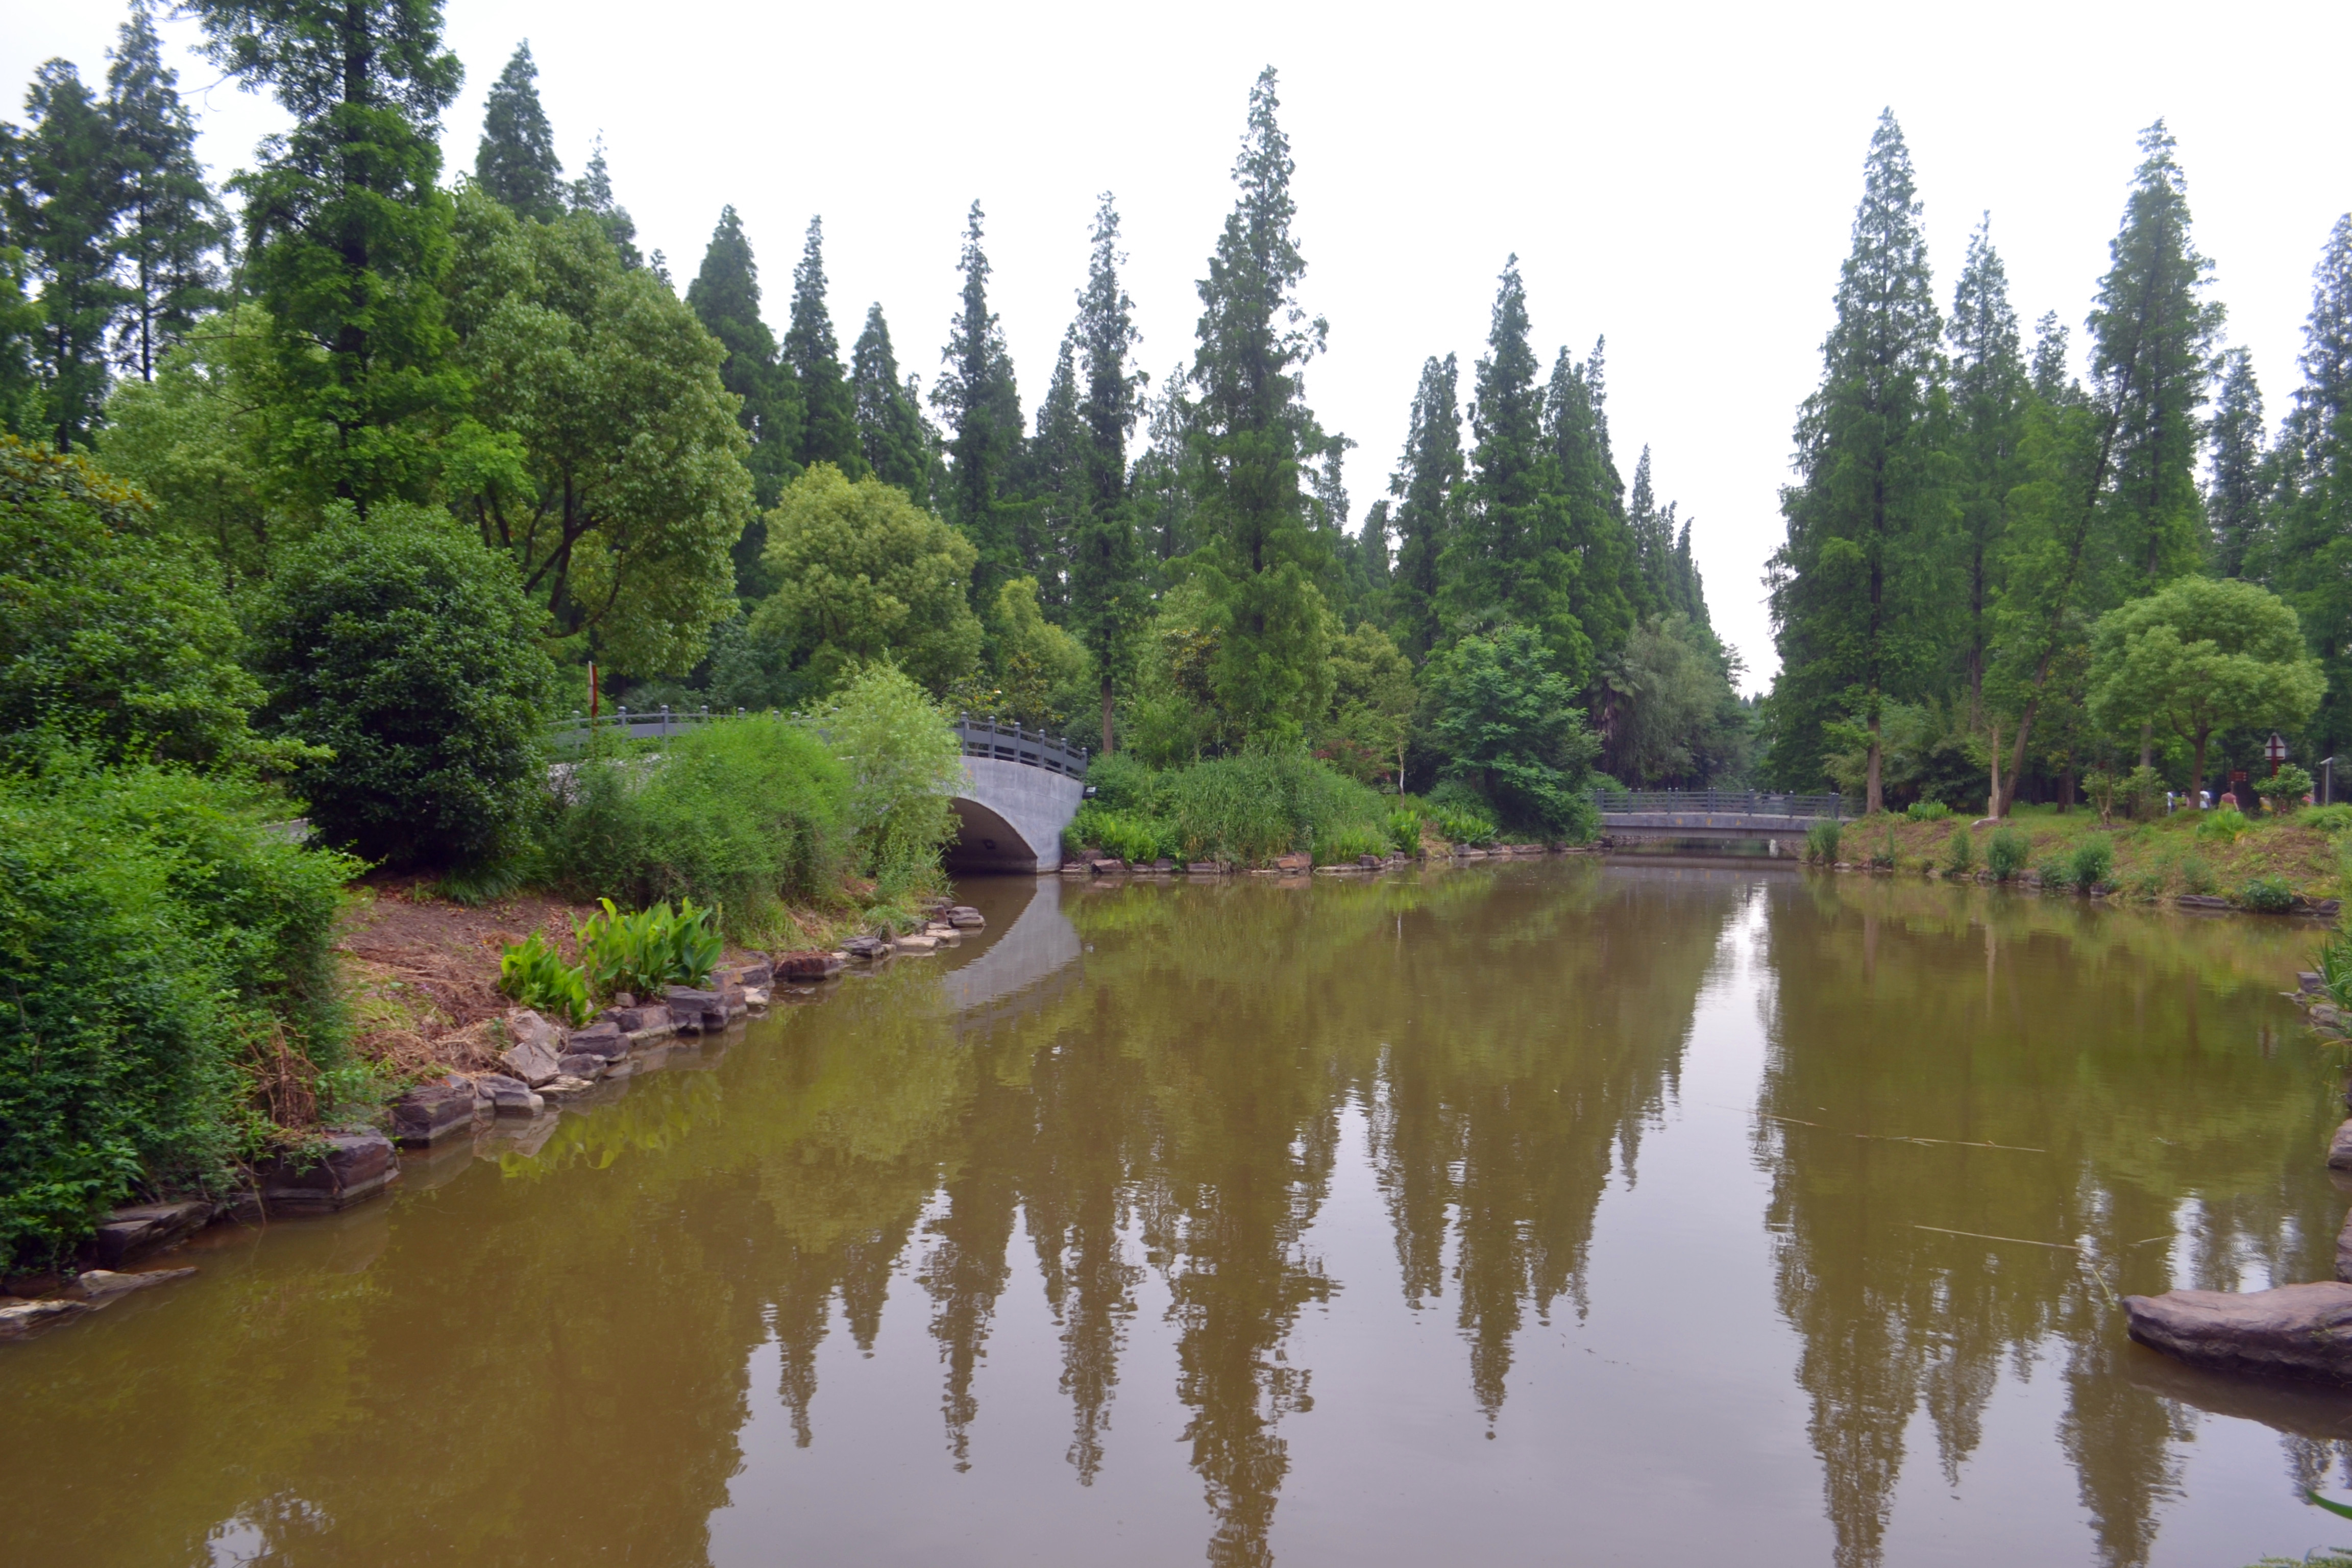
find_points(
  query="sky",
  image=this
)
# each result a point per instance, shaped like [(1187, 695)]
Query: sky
[(1681, 178)]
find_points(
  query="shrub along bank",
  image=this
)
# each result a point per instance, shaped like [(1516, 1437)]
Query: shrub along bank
[(1240, 811)]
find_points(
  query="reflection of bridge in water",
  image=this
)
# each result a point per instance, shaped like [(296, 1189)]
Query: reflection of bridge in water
[(1030, 958), (1712, 816)]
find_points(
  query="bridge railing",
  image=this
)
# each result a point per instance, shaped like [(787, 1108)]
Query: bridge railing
[(1014, 744), (978, 737), (1716, 803)]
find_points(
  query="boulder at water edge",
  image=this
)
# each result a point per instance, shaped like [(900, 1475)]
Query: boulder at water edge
[(2302, 1329), (2339, 1149), (538, 1049), (430, 1113)]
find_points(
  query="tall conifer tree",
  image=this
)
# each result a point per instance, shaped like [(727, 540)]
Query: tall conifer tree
[(1108, 597), (1988, 392), (67, 207), (2124, 515), (1653, 533), (725, 297), (591, 192), (516, 162), (1251, 427), (1510, 560), (828, 408), (1427, 488), (976, 397), (2233, 495), (896, 442), (348, 234), (2313, 467), (1609, 595), (1854, 590), (173, 228)]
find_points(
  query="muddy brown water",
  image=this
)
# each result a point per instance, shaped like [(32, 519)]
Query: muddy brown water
[(1519, 1213)]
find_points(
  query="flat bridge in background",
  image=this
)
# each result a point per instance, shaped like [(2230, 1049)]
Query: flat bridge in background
[(1711, 816)]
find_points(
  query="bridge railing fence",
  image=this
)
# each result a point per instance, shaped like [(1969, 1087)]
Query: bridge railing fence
[(1717, 801), (982, 737)]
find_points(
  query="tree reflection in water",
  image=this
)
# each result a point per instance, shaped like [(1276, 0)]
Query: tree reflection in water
[(1150, 1087)]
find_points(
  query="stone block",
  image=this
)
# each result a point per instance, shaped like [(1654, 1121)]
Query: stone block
[(1206, 869), (963, 917), (1294, 861), (865, 947), (2301, 1329), (505, 1096), (757, 973), (105, 1284), (141, 1228), (693, 1012), (538, 1047), (21, 1318), (604, 1037), (800, 968), (580, 1065), (917, 945), (426, 1115), (348, 1168)]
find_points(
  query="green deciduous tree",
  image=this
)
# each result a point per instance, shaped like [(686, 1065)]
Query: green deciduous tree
[(347, 236), (1507, 723), (1675, 721), (864, 574), (173, 228), (1260, 555), (2200, 655), (897, 442), (516, 162), (614, 476), (828, 408), (1856, 592), (412, 653), (1372, 702), (112, 634)]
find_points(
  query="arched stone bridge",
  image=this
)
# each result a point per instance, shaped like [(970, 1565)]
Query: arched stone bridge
[(1021, 786)]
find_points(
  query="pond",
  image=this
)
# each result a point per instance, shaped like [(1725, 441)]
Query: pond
[(1525, 1213)]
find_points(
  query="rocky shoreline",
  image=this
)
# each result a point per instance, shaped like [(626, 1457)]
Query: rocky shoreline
[(545, 1068)]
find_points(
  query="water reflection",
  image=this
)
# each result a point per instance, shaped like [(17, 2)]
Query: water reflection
[(1107, 1139)]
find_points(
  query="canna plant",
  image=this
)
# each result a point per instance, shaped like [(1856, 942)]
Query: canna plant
[(654, 948)]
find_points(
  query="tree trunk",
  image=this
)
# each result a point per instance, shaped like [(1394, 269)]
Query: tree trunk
[(1873, 796), (1106, 689), (2017, 754), (2197, 780), (1992, 800), (2147, 743)]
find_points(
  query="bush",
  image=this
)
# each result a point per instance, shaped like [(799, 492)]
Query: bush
[(2223, 826), (2268, 895), (2196, 877), (2092, 864), (1822, 841), (409, 651), (534, 974), (1960, 853), (1132, 836), (2141, 793), (1927, 811), (1404, 832), (111, 631), (904, 761), (169, 991), (2006, 853), (2334, 960), (2283, 791), (1122, 782), (744, 815), (1349, 843), (2330, 819), (643, 953)]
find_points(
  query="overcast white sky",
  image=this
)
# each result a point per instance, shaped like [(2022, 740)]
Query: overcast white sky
[(1681, 178)]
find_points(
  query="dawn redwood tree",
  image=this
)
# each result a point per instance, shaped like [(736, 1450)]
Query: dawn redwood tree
[(725, 297), (1854, 590), (347, 234), (1427, 488), (2122, 516), (2314, 470), (2235, 489), (1107, 594), (1260, 556), (69, 195), (976, 397), (516, 162), (1988, 392), (897, 441), (591, 192), (1609, 591), (828, 408), (172, 228)]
